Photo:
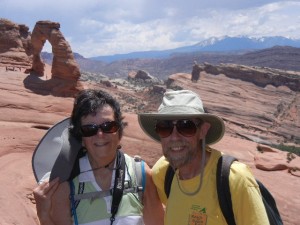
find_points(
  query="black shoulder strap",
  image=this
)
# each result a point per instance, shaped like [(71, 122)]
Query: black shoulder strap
[(168, 180), (270, 205), (118, 185), (224, 196)]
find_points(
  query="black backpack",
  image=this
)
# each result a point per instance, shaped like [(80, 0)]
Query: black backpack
[(224, 196)]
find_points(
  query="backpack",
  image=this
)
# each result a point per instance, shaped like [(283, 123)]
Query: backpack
[(224, 196), (120, 187)]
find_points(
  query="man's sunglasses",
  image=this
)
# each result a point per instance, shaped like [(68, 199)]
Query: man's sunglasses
[(106, 127), (187, 128)]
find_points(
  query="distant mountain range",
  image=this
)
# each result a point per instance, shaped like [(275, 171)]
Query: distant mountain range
[(223, 44), (273, 52)]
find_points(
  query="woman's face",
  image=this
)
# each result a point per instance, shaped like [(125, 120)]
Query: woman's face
[(102, 146)]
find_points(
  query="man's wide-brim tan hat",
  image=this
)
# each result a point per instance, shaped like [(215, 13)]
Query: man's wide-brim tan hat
[(56, 153), (183, 104)]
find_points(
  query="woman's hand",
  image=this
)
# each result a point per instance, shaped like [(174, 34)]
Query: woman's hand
[(43, 194), (53, 203)]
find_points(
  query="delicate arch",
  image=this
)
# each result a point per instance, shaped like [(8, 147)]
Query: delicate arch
[(64, 65)]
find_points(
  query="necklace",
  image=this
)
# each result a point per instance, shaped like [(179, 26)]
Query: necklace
[(202, 167), (190, 193)]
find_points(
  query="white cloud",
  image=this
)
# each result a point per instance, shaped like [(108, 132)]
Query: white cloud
[(123, 36), (101, 27)]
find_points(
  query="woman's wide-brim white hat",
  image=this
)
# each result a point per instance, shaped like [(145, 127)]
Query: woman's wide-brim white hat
[(56, 153)]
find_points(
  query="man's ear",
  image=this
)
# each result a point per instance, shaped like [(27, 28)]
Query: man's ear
[(204, 129)]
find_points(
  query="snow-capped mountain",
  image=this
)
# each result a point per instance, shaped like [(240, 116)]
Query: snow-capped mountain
[(214, 44)]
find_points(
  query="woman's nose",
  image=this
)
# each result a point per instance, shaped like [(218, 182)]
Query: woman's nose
[(100, 133)]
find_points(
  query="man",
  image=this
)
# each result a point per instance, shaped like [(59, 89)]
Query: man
[(184, 131)]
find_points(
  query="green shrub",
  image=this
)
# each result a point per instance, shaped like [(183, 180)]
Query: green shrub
[(287, 148)]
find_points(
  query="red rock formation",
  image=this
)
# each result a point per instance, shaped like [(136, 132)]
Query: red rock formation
[(15, 44), (260, 76), (272, 159), (64, 65), (196, 72), (65, 70), (140, 74)]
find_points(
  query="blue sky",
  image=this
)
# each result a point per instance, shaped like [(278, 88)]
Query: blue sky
[(105, 27)]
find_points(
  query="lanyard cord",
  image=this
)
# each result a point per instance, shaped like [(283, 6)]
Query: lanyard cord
[(102, 167)]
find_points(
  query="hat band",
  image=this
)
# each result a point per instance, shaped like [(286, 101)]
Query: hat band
[(180, 110)]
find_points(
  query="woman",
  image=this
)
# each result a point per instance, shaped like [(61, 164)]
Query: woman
[(97, 121)]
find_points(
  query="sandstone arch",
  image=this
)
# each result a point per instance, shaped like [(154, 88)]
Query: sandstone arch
[(64, 65)]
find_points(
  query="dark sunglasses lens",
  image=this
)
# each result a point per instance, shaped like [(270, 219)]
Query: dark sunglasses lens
[(89, 130), (109, 127), (186, 127), (164, 128), (92, 129)]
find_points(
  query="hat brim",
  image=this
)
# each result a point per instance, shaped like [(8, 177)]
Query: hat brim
[(147, 122), (53, 153)]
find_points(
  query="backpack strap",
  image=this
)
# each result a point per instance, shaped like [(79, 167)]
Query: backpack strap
[(116, 192), (223, 189), (73, 204), (140, 175), (102, 194), (80, 192), (270, 205), (118, 185), (168, 180), (138, 187)]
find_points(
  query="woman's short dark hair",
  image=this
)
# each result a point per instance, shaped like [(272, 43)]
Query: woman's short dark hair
[(88, 102)]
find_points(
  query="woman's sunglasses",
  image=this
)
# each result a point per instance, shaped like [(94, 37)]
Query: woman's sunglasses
[(106, 127), (187, 128)]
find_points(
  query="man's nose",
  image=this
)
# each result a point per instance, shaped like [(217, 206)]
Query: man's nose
[(175, 134)]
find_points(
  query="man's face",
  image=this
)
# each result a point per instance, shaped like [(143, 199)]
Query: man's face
[(180, 149)]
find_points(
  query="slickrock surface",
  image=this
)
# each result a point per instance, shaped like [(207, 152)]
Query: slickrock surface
[(26, 115), (268, 115)]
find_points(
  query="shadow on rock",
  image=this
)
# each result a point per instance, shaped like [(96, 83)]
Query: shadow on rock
[(55, 86)]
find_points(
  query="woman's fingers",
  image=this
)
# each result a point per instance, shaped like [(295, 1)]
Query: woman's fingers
[(46, 188), (43, 197)]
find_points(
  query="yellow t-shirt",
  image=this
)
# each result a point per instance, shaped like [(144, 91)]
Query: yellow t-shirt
[(203, 208)]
